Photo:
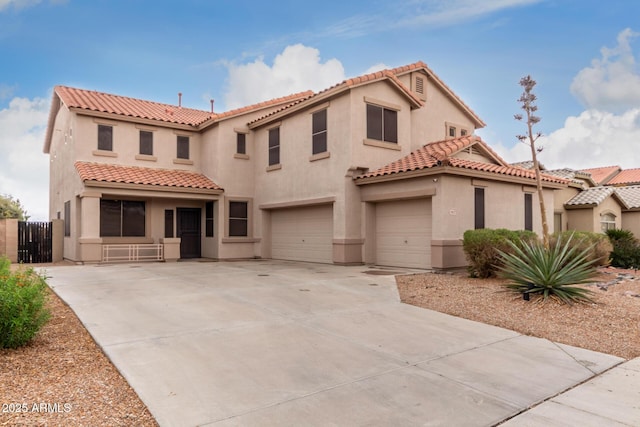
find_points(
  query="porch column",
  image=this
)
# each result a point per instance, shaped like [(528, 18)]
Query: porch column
[(90, 243)]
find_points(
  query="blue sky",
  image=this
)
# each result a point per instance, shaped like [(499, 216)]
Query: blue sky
[(581, 52)]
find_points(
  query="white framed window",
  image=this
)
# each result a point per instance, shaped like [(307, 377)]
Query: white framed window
[(607, 221)]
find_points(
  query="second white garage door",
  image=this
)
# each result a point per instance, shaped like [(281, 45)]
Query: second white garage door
[(403, 233), (303, 234)]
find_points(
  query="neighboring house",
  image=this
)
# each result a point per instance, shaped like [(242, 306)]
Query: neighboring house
[(346, 175)]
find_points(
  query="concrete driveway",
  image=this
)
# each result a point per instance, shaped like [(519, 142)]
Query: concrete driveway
[(284, 343)]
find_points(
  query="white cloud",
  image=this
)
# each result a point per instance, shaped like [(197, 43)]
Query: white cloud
[(297, 68), (376, 67), (24, 169), (17, 4), (592, 139), (608, 132), (442, 13), (611, 83), (21, 4)]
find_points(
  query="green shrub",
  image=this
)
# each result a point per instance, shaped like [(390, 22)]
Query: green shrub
[(626, 249), (599, 244), (482, 247), (23, 296), (533, 269)]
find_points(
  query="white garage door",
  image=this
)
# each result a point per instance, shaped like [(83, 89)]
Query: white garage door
[(303, 234), (403, 233)]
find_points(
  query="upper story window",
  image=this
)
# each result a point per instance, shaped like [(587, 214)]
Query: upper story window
[(607, 222), (452, 131), (382, 124), (146, 142), (274, 146), (456, 130), (183, 147), (105, 137), (241, 143), (319, 132)]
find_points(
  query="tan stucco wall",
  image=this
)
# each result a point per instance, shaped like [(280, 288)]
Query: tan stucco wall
[(631, 221), (588, 219), (428, 124)]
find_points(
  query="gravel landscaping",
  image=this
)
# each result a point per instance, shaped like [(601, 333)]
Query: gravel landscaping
[(610, 325), (62, 378)]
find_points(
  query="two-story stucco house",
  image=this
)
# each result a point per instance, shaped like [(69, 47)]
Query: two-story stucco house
[(383, 169)]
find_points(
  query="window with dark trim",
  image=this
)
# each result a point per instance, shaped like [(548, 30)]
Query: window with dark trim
[(146, 142), (452, 131), (478, 208), (382, 124), (183, 147), (241, 143), (319, 132), (463, 132), (528, 211), (105, 137), (208, 225), (168, 223), (238, 219), (67, 218), (122, 218), (274, 146)]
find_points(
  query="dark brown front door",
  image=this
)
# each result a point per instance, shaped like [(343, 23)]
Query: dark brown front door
[(188, 223)]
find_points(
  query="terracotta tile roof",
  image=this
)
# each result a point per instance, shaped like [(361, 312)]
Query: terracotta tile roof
[(440, 154), (288, 100), (625, 177), (630, 195), (591, 196), (421, 65), (601, 175), (103, 172), (351, 83), (115, 104)]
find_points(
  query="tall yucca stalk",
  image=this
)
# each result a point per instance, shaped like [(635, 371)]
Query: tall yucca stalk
[(528, 100), (550, 272)]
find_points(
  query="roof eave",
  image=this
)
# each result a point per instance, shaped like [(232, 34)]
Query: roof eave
[(151, 187), (131, 119), (457, 171)]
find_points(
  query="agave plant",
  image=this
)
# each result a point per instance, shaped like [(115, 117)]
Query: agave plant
[(553, 272)]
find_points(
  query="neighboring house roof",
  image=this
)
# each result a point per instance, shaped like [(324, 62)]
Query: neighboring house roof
[(108, 173), (592, 197), (578, 178), (384, 75), (441, 154), (602, 175), (625, 177), (630, 195), (528, 164)]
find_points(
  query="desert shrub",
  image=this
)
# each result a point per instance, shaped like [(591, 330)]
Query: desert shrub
[(533, 269), (481, 247), (23, 295), (599, 244), (626, 249)]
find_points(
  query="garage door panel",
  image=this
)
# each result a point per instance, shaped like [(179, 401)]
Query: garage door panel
[(403, 233), (302, 234)]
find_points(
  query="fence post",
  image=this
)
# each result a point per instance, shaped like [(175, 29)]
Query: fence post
[(9, 239)]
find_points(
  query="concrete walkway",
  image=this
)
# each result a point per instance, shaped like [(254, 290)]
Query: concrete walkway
[(283, 343)]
